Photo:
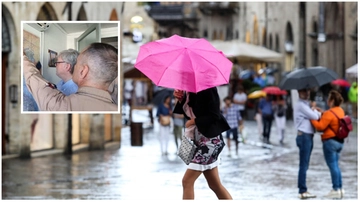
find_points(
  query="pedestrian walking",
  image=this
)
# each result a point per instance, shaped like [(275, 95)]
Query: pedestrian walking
[(332, 146), (239, 101), (267, 114), (258, 119), (304, 139), (202, 111), (164, 113), (233, 117), (280, 117), (178, 127)]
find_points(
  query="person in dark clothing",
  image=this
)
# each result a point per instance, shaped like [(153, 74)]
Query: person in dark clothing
[(204, 125)]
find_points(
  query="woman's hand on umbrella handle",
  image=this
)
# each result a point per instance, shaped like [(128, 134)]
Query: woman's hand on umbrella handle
[(190, 123), (178, 94)]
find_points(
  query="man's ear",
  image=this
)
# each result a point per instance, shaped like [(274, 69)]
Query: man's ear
[(68, 67), (84, 71)]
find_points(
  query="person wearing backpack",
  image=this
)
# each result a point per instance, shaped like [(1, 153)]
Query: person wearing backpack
[(332, 144)]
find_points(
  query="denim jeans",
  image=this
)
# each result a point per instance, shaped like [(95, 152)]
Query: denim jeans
[(234, 132), (305, 143), (267, 121), (332, 149)]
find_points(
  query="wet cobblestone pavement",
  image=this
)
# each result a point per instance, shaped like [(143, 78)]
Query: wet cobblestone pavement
[(141, 172)]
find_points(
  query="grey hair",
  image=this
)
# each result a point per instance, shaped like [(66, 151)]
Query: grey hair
[(30, 54), (69, 56), (102, 60)]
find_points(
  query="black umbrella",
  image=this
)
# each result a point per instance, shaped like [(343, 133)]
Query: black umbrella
[(307, 78), (160, 95)]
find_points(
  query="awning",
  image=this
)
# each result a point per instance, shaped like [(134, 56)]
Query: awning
[(246, 53), (352, 71)]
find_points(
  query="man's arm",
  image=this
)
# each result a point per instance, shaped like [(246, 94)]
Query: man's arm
[(46, 96), (309, 113)]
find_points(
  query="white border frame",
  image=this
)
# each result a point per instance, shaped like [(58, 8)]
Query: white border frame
[(70, 112)]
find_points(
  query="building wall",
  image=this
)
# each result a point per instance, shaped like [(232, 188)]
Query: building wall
[(29, 11), (351, 19)]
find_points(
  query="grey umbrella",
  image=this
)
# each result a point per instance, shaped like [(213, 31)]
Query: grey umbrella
[(307, 78)]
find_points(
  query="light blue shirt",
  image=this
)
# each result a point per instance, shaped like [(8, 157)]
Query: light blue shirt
[(302, 116), (68, 87), (29, 103)]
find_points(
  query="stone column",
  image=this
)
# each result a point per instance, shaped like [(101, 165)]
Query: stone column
[(96, 139), (24, 136), (85, 122)]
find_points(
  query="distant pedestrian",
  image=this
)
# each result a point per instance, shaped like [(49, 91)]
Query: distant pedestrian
[(202, 111), (267, 114), (280, 117), (239, 101), (332, 146), (258, 119), (164, 113), (233, 117), (304, 140)]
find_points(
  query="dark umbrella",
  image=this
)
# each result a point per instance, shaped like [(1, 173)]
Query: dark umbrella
[(160, 95), (270, 70), (246, 74), (308, 78)]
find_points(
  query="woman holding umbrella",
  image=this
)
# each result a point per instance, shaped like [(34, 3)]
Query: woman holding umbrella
[(202, 111), (194, 67)]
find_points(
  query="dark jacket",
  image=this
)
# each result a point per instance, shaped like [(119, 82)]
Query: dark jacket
[(206, 107)]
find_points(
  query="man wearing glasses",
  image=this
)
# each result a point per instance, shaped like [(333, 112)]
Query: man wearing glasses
[(95, 71), (64, 69)]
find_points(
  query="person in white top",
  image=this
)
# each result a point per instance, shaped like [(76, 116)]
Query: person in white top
[(239, 101)]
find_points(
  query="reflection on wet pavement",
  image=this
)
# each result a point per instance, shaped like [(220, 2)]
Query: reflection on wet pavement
[(142, 173)]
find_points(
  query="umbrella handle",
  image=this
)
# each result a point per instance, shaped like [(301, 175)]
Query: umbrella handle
[(178, 94)]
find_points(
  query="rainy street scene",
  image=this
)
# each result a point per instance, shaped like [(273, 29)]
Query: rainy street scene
[(179, 100)]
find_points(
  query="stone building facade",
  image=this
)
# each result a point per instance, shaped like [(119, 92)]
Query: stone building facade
[(16, 127), (295, 29)]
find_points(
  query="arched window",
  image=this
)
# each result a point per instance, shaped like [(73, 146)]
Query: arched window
[(82, 14), (264, 37), (205, 33), (315, 27), (277, 43), (47, 12), (5, 37), (289, 40), (237, 34), (270, 42), (214, 36)]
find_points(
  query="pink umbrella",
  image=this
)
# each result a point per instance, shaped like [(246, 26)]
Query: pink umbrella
[(184, 63)]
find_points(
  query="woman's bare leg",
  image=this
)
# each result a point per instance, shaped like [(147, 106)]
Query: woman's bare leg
[(213, 180), (188, 182)]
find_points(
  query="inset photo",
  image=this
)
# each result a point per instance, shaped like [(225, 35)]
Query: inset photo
[(70, 67)]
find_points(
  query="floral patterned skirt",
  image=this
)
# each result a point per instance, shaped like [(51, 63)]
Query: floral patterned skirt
[(207, 152)]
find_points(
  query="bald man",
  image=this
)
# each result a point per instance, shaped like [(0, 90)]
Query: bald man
[(96, 68)]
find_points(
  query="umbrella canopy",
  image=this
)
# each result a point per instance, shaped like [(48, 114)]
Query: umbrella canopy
[(246, 74), (256, 94), (247, 53), (352, 71), (274, 90), (160, 95), (184, 63), (307, 78), (341, 82)]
